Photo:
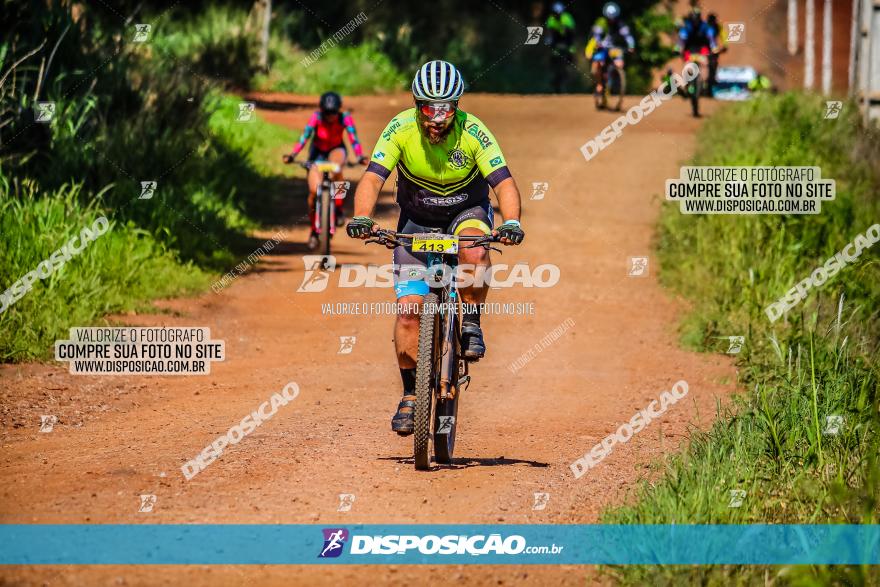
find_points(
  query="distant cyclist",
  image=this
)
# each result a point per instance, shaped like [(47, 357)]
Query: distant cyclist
[(696, 36), (446, 161), (326, 127), (608, 31), (560, 36)]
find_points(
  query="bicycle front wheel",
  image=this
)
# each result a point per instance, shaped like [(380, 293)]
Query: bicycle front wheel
[(427, 367), (324, 201), (696, 88), (616, 88), (446, 418)]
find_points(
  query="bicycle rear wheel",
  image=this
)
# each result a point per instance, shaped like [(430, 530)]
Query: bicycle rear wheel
[(427, 366)]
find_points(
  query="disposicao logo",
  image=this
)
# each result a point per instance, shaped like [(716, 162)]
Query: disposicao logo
[(334, 541)]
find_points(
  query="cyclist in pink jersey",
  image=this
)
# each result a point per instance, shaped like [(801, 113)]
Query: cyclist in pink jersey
[(325, 128)]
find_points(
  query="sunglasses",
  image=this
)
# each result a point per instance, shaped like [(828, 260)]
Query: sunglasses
[(437, 111)]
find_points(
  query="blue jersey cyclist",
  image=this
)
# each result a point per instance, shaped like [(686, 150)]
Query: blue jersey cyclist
[(446, 160)]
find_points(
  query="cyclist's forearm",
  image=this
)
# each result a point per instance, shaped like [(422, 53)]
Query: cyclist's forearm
[(303, 139), (352, 135), (367, 194), (508, 199)]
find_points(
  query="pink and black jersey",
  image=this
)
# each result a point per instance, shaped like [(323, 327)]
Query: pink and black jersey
[(326, 134)]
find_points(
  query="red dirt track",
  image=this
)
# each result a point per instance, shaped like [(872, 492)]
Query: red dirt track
[(120, 437)]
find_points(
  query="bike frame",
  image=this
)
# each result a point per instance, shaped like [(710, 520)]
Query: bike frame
[(701, 58), (326, 168), (610, 62), (325, 184), (448, 296), (450, 375)]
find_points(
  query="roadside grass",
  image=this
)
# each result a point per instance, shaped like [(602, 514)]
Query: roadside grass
[(802, 439), (172, 244), (259, 144), (220, 43), (351, 70), (119, 271), (150, 112)]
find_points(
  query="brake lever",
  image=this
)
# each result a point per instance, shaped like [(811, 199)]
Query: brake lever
[(485, 244), (384, 240)]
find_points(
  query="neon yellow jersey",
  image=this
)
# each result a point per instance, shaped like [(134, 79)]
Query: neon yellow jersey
[(439, 181)]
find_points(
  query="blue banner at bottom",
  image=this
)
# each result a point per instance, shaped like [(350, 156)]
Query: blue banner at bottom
[(378, 544)]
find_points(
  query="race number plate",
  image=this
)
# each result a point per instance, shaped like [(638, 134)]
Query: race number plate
[(615, 53), (446, 244), (327, 166)]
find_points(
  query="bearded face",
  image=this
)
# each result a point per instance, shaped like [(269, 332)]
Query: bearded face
[(435, 120)]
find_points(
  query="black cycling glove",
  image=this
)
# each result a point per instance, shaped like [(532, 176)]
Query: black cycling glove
[(360, 227), (511, 230)]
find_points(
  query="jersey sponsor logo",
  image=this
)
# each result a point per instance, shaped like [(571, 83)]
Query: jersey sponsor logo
[(379, 155), (458, 159), (444, 200), (391, 129), (475, 131), (495, 162)]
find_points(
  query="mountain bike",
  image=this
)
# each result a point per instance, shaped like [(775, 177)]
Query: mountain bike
[(695, 86), (613, 81), (441, 370), (325, 210)]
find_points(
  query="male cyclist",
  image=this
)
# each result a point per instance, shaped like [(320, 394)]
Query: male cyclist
[(696, 36), (446, 160), (608, 31), (326, 127), (560, 36)]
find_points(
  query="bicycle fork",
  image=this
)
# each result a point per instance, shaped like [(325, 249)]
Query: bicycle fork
[(448, 367)]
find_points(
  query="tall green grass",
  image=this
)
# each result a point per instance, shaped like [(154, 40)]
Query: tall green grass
[(220, 43), (168, 245), (821, 361), (360, 69), (117, 272), (126, 113)]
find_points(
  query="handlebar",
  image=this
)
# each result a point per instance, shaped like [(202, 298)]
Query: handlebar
[(390, 237), (309, 164)]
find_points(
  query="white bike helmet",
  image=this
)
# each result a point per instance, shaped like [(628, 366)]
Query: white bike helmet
[(611, 10), (438, 80)]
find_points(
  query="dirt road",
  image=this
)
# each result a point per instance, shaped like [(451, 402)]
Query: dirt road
[(120, 437)]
